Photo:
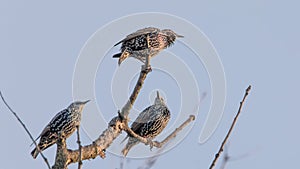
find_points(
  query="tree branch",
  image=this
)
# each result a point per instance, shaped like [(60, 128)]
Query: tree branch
[(143, 74), (79, 148), (27, 131), (226, 158), (156, 143), (65, 156), (114, 129), (230, 129)]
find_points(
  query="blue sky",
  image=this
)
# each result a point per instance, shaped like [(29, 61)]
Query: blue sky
[(257, 42)]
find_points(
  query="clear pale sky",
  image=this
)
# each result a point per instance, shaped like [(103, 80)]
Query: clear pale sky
[(257, 42)]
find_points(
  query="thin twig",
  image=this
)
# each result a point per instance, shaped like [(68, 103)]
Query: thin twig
[(156, 143), (152, 160), (174, 133), (122, 163), (226, 158), (27, 131), (79, 147), (146, 68), (230, 129)]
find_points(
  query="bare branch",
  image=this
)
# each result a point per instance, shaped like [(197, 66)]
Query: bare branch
[(174, 133), (79, 148), (27, 131), (230, 129), (98, 147), (64, 156), (143, 74), (114, 129), (156, 143), (226, 158)]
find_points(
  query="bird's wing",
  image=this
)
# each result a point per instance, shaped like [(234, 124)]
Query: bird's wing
[(159, 119), (165, 111), (139, 33), (55, 124), (142, 119)]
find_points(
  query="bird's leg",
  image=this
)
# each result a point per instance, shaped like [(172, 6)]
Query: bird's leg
[(61, 135), (150, 142), (79, 147), (146, 69), (78, 137), (122, 118)]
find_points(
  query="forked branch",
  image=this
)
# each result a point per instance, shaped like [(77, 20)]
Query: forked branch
[(114, 129), (230, 129), (156, 143)]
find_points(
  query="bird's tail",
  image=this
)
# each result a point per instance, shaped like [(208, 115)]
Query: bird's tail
[(122, 56), (118, 55), (126, 149), (35, 140), (131, 142), (35, 153)]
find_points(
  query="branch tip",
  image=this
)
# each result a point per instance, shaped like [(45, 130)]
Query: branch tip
[(218, 154)]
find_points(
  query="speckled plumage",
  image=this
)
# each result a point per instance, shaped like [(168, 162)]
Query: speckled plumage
[(150, 123), (63, 123), (144, 42)]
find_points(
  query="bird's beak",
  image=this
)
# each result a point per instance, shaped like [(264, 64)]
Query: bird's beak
[(157, 94), (179, 36), (85, 102)]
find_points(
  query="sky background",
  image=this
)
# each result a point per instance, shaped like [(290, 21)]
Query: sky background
[(257, 42)]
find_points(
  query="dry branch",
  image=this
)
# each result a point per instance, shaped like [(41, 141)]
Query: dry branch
[(230, 129), (65, 156), (143, 74), (114, 129), (79, 148), (156, 143), (27, 131), (226, 158)]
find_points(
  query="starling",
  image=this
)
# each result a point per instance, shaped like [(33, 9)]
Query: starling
[(63, 124), (149, 123), (144, 42)]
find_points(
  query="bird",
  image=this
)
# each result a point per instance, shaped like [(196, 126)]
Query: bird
[(144, 42), (149, 123), (63, 124)]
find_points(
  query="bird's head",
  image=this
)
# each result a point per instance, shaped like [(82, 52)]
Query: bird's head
[(171, 35), (78, 105), (159, 99)]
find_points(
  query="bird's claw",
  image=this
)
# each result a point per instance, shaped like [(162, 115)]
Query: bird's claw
[(150, 142), (146, 69)]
